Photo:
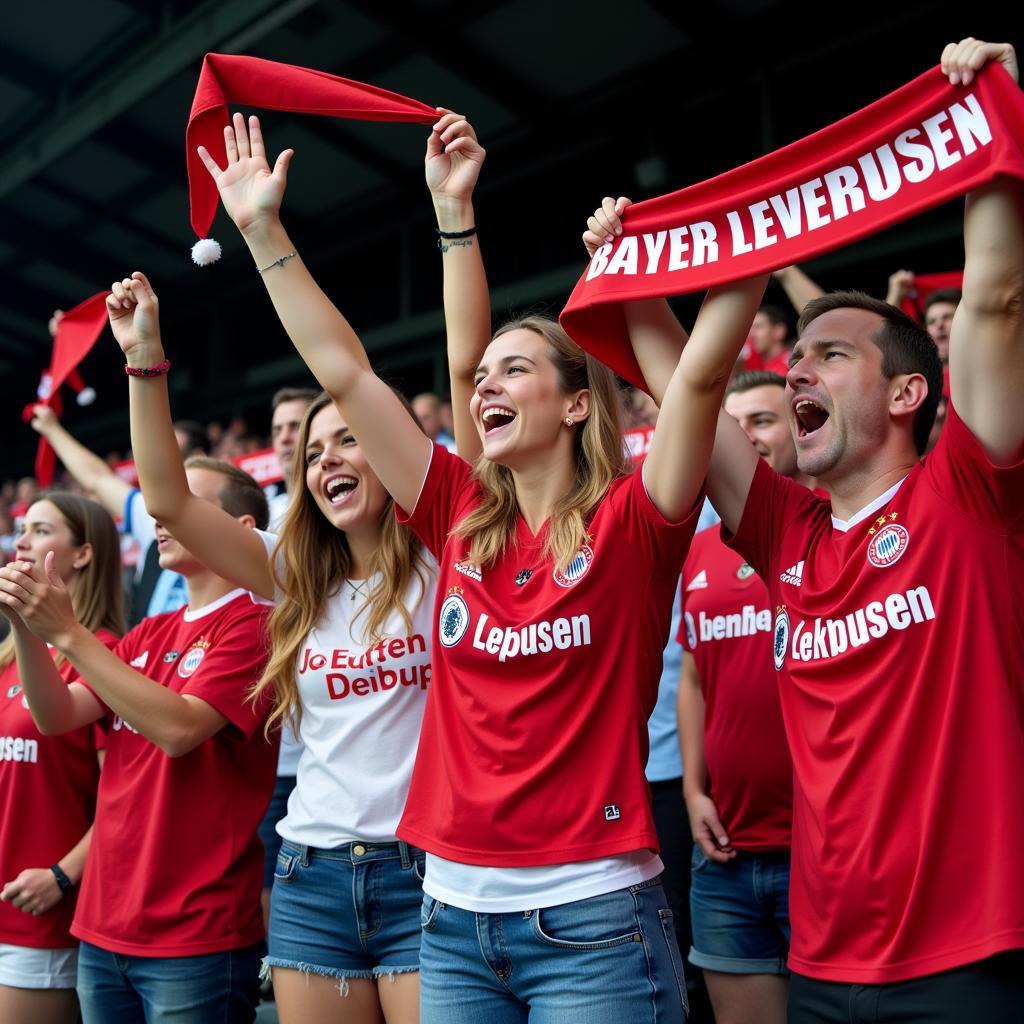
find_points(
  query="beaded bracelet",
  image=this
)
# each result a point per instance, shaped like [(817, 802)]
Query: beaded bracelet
[(148, 371)]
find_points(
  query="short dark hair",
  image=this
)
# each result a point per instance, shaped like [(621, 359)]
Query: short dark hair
[(905, 345), (283, 395), (950, 295), (750, 379), (240, 495), (196, 434), (776, 314)]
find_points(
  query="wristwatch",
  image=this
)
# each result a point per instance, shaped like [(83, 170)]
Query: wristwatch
[(63, 881)]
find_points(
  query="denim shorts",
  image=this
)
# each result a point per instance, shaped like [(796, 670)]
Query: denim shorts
[(610, 959), (350, 912), (212, 988), (740, 913)]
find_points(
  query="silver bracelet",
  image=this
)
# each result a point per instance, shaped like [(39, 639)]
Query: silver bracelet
[(277, 263)]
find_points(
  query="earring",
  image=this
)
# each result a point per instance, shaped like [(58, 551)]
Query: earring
[(568, 421)]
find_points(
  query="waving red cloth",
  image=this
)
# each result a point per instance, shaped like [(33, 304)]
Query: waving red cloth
[(924, 285), (254, 82), (917, 147), (76, 334)]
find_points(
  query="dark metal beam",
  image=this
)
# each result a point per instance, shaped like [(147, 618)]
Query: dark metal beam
[(217, 23)]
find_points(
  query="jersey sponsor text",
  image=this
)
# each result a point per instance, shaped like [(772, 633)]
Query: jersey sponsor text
[(828, 638), (747, 622), (17, 748), (535, 638)]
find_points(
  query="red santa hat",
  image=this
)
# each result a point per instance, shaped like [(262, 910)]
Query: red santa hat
[(77, 331), (267, 84)]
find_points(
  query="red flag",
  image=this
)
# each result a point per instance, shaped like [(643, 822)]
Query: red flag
[(76, 334)]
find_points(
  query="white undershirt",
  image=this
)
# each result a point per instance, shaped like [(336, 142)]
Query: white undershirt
[(868, 510), (486, 890)]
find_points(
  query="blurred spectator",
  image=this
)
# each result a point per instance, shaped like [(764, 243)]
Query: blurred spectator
[(769, 334), (939, 308), (427, 407), (191, 438), (288, 407)]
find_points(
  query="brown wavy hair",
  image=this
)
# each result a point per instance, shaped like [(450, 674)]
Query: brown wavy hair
[(97, 596), (311, 562), (597, 448)]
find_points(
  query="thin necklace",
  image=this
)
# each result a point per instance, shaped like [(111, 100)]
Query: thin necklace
[(359, 590)]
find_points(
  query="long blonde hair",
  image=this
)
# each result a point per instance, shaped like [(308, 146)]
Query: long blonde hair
[(97, 596), (315, 560), (597, 448)]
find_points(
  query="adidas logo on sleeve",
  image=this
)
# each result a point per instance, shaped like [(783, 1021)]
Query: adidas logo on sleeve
[(794, 575)]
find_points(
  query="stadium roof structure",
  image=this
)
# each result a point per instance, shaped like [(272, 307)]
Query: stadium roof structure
[(573, 99)]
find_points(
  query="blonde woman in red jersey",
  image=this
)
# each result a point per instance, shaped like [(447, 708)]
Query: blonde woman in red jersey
[(48, 783), (557, 576)]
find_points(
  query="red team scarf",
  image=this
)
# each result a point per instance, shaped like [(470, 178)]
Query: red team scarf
[(76, 334), (254, 82), (924, 285), (911, 150)]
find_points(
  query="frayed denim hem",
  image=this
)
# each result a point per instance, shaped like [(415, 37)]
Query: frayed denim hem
[(339, 973), (391, 972)]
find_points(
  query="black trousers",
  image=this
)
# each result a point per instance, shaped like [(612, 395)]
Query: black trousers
[(673, 827), (986, 992)]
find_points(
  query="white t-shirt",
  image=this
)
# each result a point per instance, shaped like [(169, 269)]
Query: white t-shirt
[(362, 706)]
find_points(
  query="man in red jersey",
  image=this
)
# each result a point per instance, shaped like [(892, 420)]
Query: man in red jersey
[(768, 336), (738, 775), (897, 633), (169, 911), (896, 630)]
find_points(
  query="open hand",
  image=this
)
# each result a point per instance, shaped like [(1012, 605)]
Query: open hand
[(961, 61), (35, 891), (40, 598), (134, 313), (250, 191), (605, 225), (453, 159)]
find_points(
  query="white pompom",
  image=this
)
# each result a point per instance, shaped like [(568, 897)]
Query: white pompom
[(205, 252), (86, 396)]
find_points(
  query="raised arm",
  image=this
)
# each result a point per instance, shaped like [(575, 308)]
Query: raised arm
[(88, 469), (452, 165), (658, 341), (56, 707), (177, 723), (799, 288), (986, 344), (396, 449), (217, 539), (680, 451)]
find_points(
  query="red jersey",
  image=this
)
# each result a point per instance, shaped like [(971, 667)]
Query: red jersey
[(535, 732), (898, 636), (47, 803), (727, 627), (176, 866), (777, 364)]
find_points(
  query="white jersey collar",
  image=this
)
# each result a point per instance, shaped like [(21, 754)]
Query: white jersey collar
[(868, 510)]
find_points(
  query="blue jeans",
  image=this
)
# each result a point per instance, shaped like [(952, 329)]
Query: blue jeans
[(350, 912), (740, 913), (610, 959), (217, 988)]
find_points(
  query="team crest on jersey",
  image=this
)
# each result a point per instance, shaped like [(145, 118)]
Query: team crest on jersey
[(522, 576), (744, 572), (14, 690), (193, 658), (171, 656), (577, 568), (691, 631), (888, 545), (780, 638), (453, 621), (140, 661), (474, 572)]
